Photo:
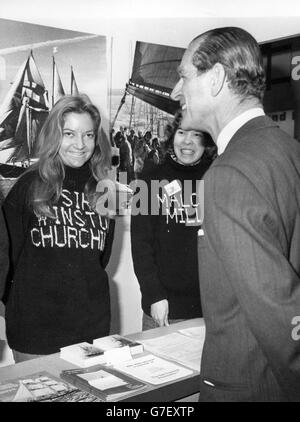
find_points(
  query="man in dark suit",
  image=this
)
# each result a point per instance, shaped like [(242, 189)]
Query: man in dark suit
[(3, 254), (249, 248)]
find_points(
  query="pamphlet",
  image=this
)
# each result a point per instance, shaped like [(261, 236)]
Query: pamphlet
[(153, 369), (182, 348), (117, 341), (41, 387), (104, 350), (83, 354), (104, 382)]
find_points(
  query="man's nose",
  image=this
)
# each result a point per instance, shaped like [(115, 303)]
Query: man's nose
[(176, 93)]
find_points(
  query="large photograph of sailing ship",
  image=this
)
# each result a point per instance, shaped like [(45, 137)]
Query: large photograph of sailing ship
[(39, 64), (145, 104)]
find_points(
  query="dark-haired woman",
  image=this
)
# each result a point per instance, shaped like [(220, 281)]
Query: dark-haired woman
[(164, 246), (59, 246)]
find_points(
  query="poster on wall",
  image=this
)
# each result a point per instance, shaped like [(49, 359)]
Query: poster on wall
[(38, 65)]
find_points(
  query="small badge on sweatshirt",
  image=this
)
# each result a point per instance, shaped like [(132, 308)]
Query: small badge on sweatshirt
[(173, 188)]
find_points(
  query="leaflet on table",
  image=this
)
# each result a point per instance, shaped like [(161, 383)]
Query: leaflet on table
[(104, 382), (82, 354), (117, 341), (181, 348), (105, 350), (42, 387), (153, 369)]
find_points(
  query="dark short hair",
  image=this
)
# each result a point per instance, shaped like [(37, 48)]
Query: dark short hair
[(119, 137), (171, 128), (240, 55)]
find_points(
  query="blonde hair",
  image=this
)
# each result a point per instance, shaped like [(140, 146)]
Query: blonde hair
[(46, 186)]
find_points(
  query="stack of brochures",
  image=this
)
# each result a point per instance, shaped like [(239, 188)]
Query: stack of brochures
[(117, 341), (125, 379), (101, 351), (104, 382), (82, 354)]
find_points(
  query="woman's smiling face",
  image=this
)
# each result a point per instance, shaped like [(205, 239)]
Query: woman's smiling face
[(78, 142), (188, 146)]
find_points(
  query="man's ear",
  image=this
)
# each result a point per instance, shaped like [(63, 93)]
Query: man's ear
[(218, 77)]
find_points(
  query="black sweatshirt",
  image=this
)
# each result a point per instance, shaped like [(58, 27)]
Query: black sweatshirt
[(60, 292), (164, 248)]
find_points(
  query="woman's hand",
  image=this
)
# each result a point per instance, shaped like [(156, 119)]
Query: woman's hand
[(160, 312)]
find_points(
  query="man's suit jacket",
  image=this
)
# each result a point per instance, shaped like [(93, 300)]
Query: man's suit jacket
[(249, 268), (3, 254)]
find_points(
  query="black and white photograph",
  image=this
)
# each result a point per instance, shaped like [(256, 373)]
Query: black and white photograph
[(150, 190)]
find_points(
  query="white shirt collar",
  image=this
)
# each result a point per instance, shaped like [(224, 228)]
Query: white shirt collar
[(234, 125)]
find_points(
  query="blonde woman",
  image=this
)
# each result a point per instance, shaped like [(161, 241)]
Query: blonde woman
[(59, 246)]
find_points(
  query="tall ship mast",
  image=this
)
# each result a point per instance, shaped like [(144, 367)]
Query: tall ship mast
[(22, 113), (153, 76), (25, 109)]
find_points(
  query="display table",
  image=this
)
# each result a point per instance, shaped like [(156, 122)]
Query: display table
[(167, 392)]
